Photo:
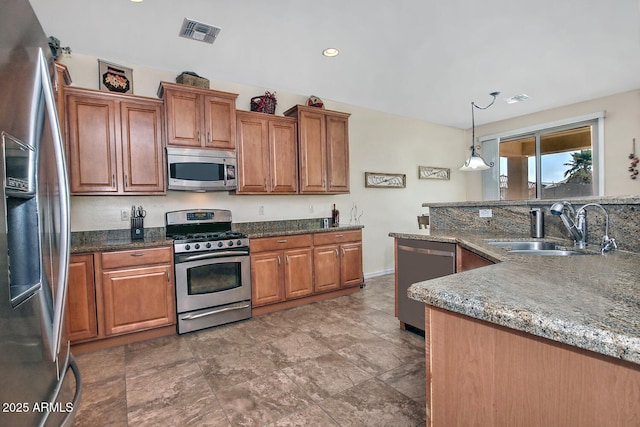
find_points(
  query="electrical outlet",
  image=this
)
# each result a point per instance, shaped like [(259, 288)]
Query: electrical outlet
[(124, 214), (485, 213), (310, 208), (260, 210)]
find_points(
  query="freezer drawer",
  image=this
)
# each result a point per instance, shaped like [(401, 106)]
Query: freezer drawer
[(419, 260)]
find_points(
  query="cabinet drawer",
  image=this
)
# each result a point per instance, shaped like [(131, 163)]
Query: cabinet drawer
[(337, 237), (136, 257), (281, 242)]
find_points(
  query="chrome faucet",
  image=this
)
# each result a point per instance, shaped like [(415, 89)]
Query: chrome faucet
[(578, 226)]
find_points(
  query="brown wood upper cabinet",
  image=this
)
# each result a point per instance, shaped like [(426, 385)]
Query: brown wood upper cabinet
[(323, 146), (267, 154), (115, 143), (198, 117)]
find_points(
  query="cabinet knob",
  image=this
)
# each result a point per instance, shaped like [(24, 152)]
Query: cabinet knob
[(198, 136), (137, 254), (208, 136), (282, 241), (336, 252), (126, 181), (278, 259)]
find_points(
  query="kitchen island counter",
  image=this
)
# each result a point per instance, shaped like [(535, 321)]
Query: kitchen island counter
[(587, 301)]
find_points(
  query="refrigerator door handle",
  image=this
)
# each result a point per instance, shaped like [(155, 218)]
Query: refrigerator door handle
[(63, 194)]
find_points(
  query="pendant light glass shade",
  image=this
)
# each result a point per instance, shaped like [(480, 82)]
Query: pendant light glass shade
[(475, 162)]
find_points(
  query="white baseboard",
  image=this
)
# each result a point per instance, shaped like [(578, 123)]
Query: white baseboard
[(378, 273)]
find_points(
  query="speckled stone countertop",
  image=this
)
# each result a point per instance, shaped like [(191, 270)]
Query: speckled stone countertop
[(112, 240), (587, 301), (288, 227)]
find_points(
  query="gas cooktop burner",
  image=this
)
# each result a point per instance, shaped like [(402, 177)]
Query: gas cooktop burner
[(203, 237), (204, 230)]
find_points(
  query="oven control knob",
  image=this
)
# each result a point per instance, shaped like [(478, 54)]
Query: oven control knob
[(197, 246), (219, 244), (187, 246), (208, 245), (239, 243), (230, 243)]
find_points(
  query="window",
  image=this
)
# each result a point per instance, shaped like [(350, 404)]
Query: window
[(544, 163)]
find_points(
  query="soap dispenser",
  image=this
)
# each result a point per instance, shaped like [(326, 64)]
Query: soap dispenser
[(537, 222)]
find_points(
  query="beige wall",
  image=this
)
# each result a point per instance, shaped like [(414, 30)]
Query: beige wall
[(621, 125), (378, 143)]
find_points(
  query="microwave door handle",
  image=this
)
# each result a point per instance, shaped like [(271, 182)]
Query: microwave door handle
[(224, 169), (63, 195)]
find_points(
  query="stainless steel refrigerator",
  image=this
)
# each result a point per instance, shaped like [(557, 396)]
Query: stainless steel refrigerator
[(39, 380)]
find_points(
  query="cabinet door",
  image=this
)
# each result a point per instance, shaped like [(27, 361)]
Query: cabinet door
[(142, 147), (138, 298), (283, 147), (326, 264), (337, 154), (351, 264), (92, 144), (184, 118), (298, 273), (266, 278), (81, 299), (253, 154), (220, 122), (313, 152)]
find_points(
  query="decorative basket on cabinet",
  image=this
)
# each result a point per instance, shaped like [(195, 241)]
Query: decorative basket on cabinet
[(265, 103)]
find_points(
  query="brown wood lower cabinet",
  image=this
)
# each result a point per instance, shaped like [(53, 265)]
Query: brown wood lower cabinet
[(82, 322), (120, 296), (481, 374), (292, 270), (281, 267), (338, 260)]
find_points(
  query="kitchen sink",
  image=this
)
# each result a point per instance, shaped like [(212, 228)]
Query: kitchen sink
[(546, 252), (524, 245), (531, 247)]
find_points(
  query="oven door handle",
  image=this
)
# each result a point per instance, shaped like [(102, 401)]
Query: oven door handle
[(212, 312), (209, 255)]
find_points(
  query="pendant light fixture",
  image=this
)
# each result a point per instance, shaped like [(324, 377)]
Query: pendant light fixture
[(475, 162)]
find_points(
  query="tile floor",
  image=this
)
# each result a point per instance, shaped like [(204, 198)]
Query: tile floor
[(339, 362)]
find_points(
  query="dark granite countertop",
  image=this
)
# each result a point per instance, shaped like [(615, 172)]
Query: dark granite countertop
[(112, 240), (587, 301), (290, 232)]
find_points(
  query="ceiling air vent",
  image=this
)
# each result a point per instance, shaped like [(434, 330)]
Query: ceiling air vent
[(198, 31)]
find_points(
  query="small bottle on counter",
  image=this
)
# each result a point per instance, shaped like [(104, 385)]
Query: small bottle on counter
[(335, 216)]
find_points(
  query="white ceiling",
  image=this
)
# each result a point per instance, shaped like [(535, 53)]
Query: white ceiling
[(423, 59)]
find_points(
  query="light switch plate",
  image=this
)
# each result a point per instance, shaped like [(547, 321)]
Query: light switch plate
[(485, 213)]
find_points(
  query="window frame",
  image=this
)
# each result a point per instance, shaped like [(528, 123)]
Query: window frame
[(491, 151)]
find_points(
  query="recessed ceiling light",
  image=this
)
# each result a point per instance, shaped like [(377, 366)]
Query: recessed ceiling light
[(517, 98), (136, 1), (330, 52)]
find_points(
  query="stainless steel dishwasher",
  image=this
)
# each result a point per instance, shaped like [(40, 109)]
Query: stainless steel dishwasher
[(419, 260)]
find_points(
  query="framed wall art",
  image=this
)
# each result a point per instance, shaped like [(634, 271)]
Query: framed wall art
[(430, 172), (114, 77), (384, 180)]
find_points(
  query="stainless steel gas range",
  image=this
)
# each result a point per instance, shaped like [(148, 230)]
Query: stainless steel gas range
[(212, 269)]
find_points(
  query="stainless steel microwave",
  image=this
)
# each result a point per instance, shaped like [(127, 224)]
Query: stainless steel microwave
[(195, 169)]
